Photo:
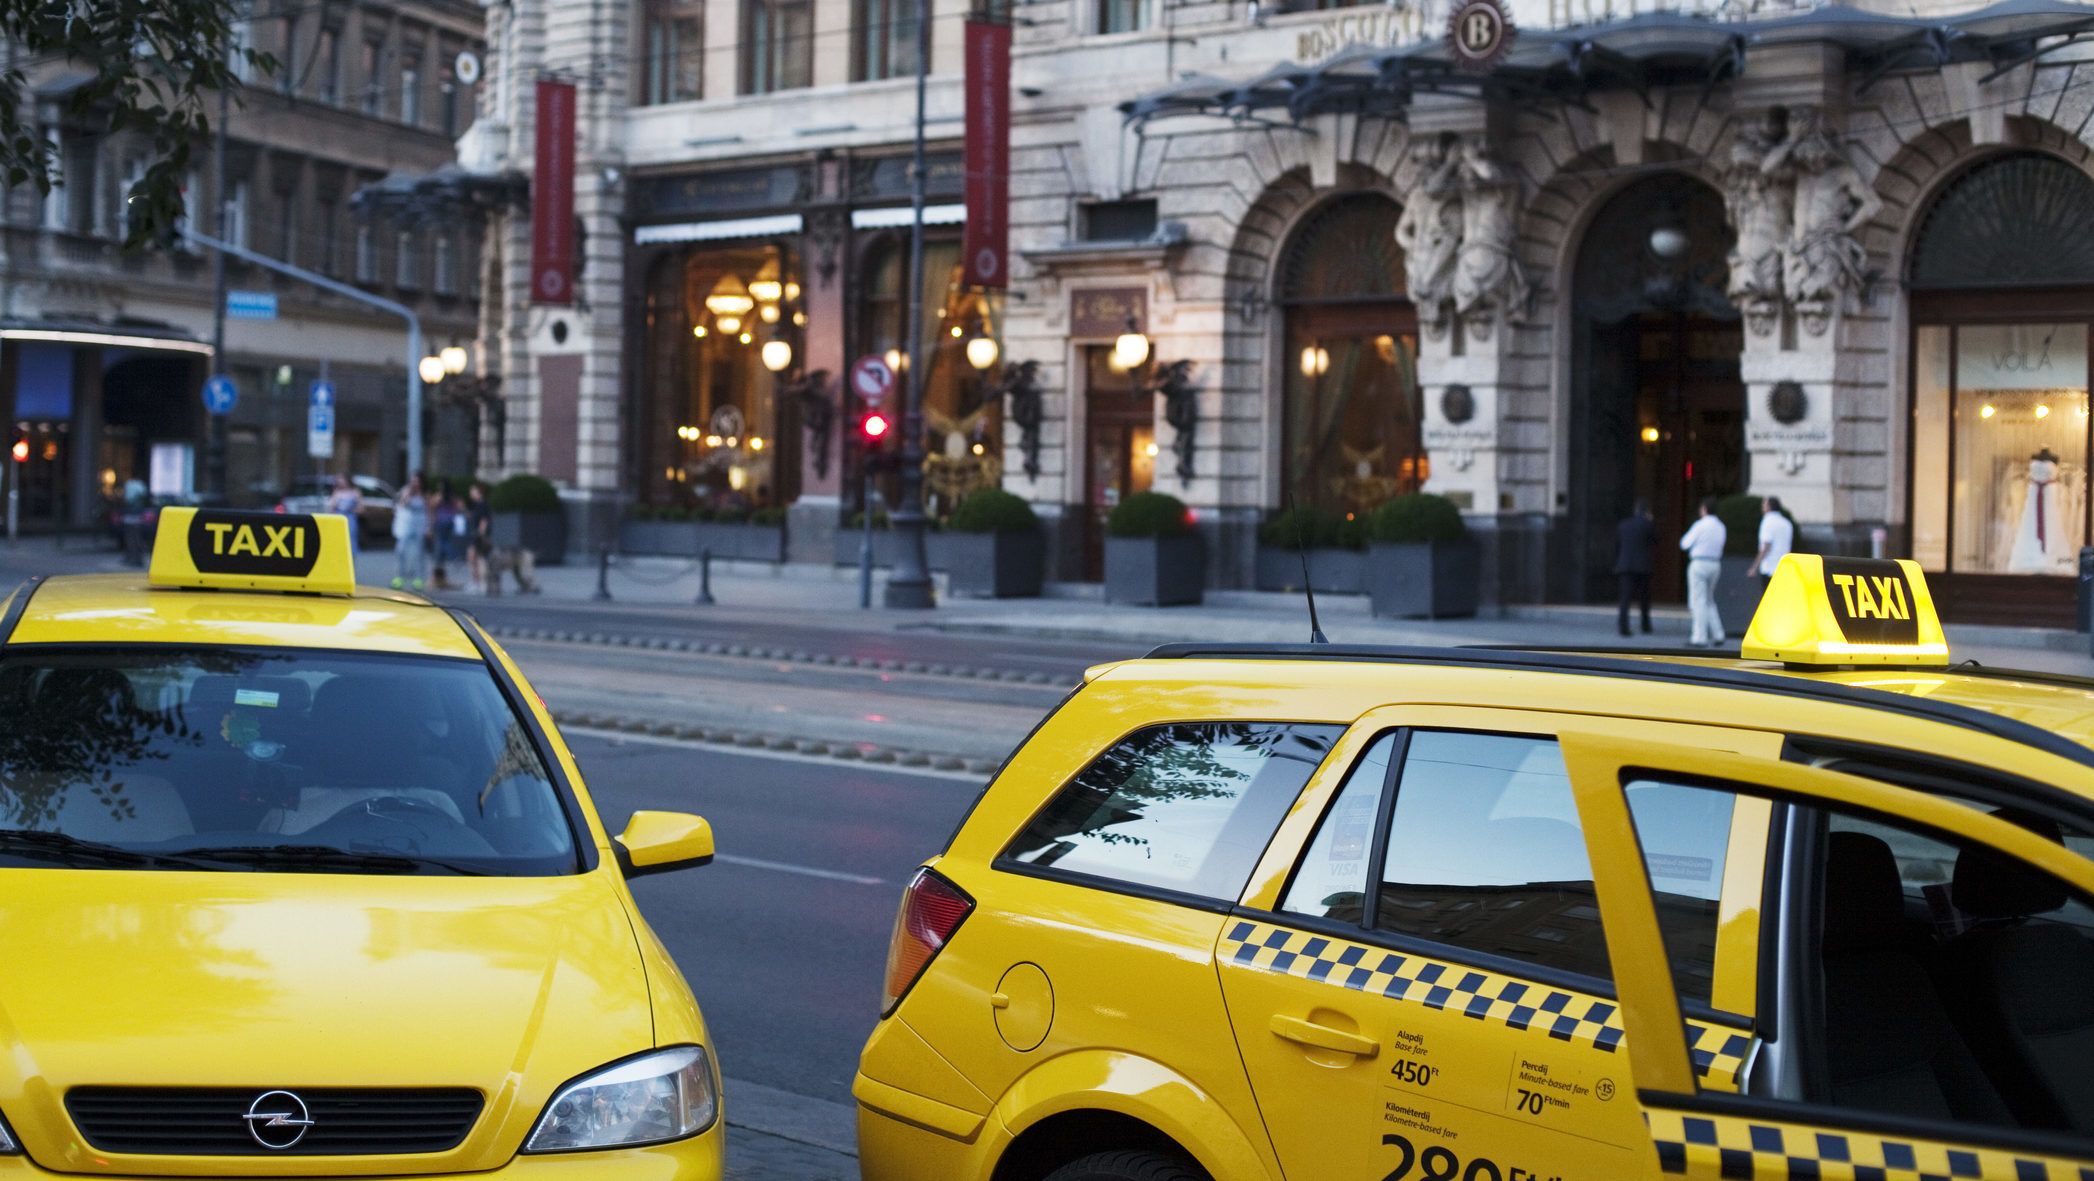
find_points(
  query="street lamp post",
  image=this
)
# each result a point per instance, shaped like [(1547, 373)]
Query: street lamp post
[(909, 587)]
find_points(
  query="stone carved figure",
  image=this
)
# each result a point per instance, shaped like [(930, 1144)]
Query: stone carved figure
[(1021, 392), (1429, 230), (1181, 408), (1488, 280), (1831, 204), (1760, 202)]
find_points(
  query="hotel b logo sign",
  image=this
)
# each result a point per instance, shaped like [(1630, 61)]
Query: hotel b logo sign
[(1479, 33)]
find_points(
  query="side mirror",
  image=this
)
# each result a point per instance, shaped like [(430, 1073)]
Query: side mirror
[(656, 842)]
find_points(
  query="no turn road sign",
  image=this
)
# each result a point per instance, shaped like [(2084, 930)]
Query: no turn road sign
[(872, 379)]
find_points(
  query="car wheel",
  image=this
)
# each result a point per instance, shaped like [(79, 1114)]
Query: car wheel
[(1126, 1166)]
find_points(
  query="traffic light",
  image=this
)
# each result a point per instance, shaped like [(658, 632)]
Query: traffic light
[(874, 427), (876, 437)]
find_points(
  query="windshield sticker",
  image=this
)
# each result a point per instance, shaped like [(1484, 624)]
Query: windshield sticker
[(258, 698), (1680, 867)]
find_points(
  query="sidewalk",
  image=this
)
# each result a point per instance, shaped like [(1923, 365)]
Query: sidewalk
[(827, 596)]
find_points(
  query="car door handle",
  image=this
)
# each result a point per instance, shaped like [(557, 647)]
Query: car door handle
[(1322, 1037)]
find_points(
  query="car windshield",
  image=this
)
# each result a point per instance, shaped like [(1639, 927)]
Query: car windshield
[(270, 760)]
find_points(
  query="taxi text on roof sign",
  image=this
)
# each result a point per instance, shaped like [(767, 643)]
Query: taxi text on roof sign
[(218, 550), (1820, 610)]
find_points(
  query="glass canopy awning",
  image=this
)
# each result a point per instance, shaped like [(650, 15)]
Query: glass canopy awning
[(1638, 53)]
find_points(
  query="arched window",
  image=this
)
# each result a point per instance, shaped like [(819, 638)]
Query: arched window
[(2002, 280), (1351, 433)]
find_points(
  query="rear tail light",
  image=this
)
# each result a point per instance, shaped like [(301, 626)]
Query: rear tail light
[(932, 909)]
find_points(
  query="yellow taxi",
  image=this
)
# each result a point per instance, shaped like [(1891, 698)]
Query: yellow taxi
[(298, 879), (1319, 912)]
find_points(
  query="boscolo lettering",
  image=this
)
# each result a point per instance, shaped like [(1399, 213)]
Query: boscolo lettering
[(277, 541), (1870, 597)]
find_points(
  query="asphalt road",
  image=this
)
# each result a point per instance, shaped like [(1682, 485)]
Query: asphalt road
[(838, 635), (784, 936)]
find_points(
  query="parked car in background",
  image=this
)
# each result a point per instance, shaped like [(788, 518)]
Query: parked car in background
[(308, 494)]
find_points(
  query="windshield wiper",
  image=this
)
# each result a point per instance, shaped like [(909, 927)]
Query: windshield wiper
[(66, 849), (320, 859)]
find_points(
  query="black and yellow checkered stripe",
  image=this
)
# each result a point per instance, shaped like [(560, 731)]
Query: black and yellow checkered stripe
[(1740, 1149), (1719, 1052)]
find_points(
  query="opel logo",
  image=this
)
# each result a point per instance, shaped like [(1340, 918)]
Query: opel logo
[(278, 1119)]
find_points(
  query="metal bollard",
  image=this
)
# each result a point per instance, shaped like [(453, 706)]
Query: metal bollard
[(603, 575), (705, 577)]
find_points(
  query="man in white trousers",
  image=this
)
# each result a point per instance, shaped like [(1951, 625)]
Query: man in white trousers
[(1703, 545)]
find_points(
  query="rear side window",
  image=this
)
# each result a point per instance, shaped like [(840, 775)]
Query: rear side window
[(1187, 807)]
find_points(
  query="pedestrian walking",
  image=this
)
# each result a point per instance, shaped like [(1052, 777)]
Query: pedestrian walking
[(1703, 545), (410, 533), (446, 530), (1777, 537), (1635, 538), (479, 534), (349, 502)]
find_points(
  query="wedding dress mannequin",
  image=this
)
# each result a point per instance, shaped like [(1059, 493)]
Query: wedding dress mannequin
[(2042, 542)]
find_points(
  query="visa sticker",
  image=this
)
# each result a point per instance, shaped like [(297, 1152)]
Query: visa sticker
[(258, 698)]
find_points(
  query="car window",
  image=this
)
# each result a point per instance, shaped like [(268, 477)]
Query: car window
[(1685, 834), (1331, 879), (1187, 807), (1944, 981), (185, 754), (1485, 853)]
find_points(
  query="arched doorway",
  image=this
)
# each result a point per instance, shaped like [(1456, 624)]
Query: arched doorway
[(2002, 281), (1350, 435), (1657, 403)]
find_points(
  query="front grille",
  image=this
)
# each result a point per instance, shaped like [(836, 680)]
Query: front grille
[(211, 1121)]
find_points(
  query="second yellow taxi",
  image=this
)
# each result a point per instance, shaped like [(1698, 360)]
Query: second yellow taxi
[(1241, 913)]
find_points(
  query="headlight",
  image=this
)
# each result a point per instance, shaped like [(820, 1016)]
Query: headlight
[(664, 1095)]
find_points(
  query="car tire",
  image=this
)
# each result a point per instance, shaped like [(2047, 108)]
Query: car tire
[(1126, 1166)]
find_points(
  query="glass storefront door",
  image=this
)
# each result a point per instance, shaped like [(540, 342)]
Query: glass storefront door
[(1352, 408), (2000, 446), (1120, 427)]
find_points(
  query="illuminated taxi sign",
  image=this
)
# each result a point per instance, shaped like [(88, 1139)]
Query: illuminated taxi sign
[(216, 549), (1820, 610)]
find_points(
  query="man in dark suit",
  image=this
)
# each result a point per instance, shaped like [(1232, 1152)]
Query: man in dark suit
[(1634, 539)]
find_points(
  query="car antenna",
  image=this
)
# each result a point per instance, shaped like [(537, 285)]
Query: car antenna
[(1301, 548)]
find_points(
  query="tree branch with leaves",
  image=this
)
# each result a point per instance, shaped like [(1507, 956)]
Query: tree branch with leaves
[(150, 67)]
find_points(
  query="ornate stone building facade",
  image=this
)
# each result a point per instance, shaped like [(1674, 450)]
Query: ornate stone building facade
[(1652, 256)]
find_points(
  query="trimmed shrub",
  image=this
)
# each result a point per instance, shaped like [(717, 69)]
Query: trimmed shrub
[(769, 517), (992, 510), (1740, 514), (1417, 517), (1149, 514), (524, 494), (1314, 528)]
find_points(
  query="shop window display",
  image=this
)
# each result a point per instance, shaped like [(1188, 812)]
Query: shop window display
[(962, 444), (2000, 447), (723, 340)]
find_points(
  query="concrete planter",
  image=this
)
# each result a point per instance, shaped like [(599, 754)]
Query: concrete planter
[(1334, 571), (687, 539), (544, 534), (1737, 595), (1423, 580), (887, 546), (994, 565), (1155, 571)]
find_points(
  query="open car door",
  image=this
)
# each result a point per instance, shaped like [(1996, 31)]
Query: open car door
[(1928, 959)]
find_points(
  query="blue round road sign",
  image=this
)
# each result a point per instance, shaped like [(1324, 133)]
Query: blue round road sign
[(221, 395)]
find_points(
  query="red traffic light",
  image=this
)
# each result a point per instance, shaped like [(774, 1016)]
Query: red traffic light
[(875, 425), (21, 451)]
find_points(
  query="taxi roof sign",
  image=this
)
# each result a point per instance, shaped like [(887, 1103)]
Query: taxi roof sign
[(214, 549), (1823, 610)]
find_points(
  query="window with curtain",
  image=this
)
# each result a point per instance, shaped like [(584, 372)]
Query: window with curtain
[(777, 46), (1121, 16), (1353, 408), (411, 88), (883, 39), (672, 52)]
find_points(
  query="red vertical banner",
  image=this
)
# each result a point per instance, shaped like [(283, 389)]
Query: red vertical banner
[(552, 197), (987, 244)]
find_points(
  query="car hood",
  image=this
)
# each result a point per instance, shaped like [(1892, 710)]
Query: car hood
[(508, 986)]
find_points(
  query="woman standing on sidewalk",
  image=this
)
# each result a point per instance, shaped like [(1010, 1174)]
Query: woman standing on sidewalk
[(1703, 545), (410, 533), (347, 501)]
